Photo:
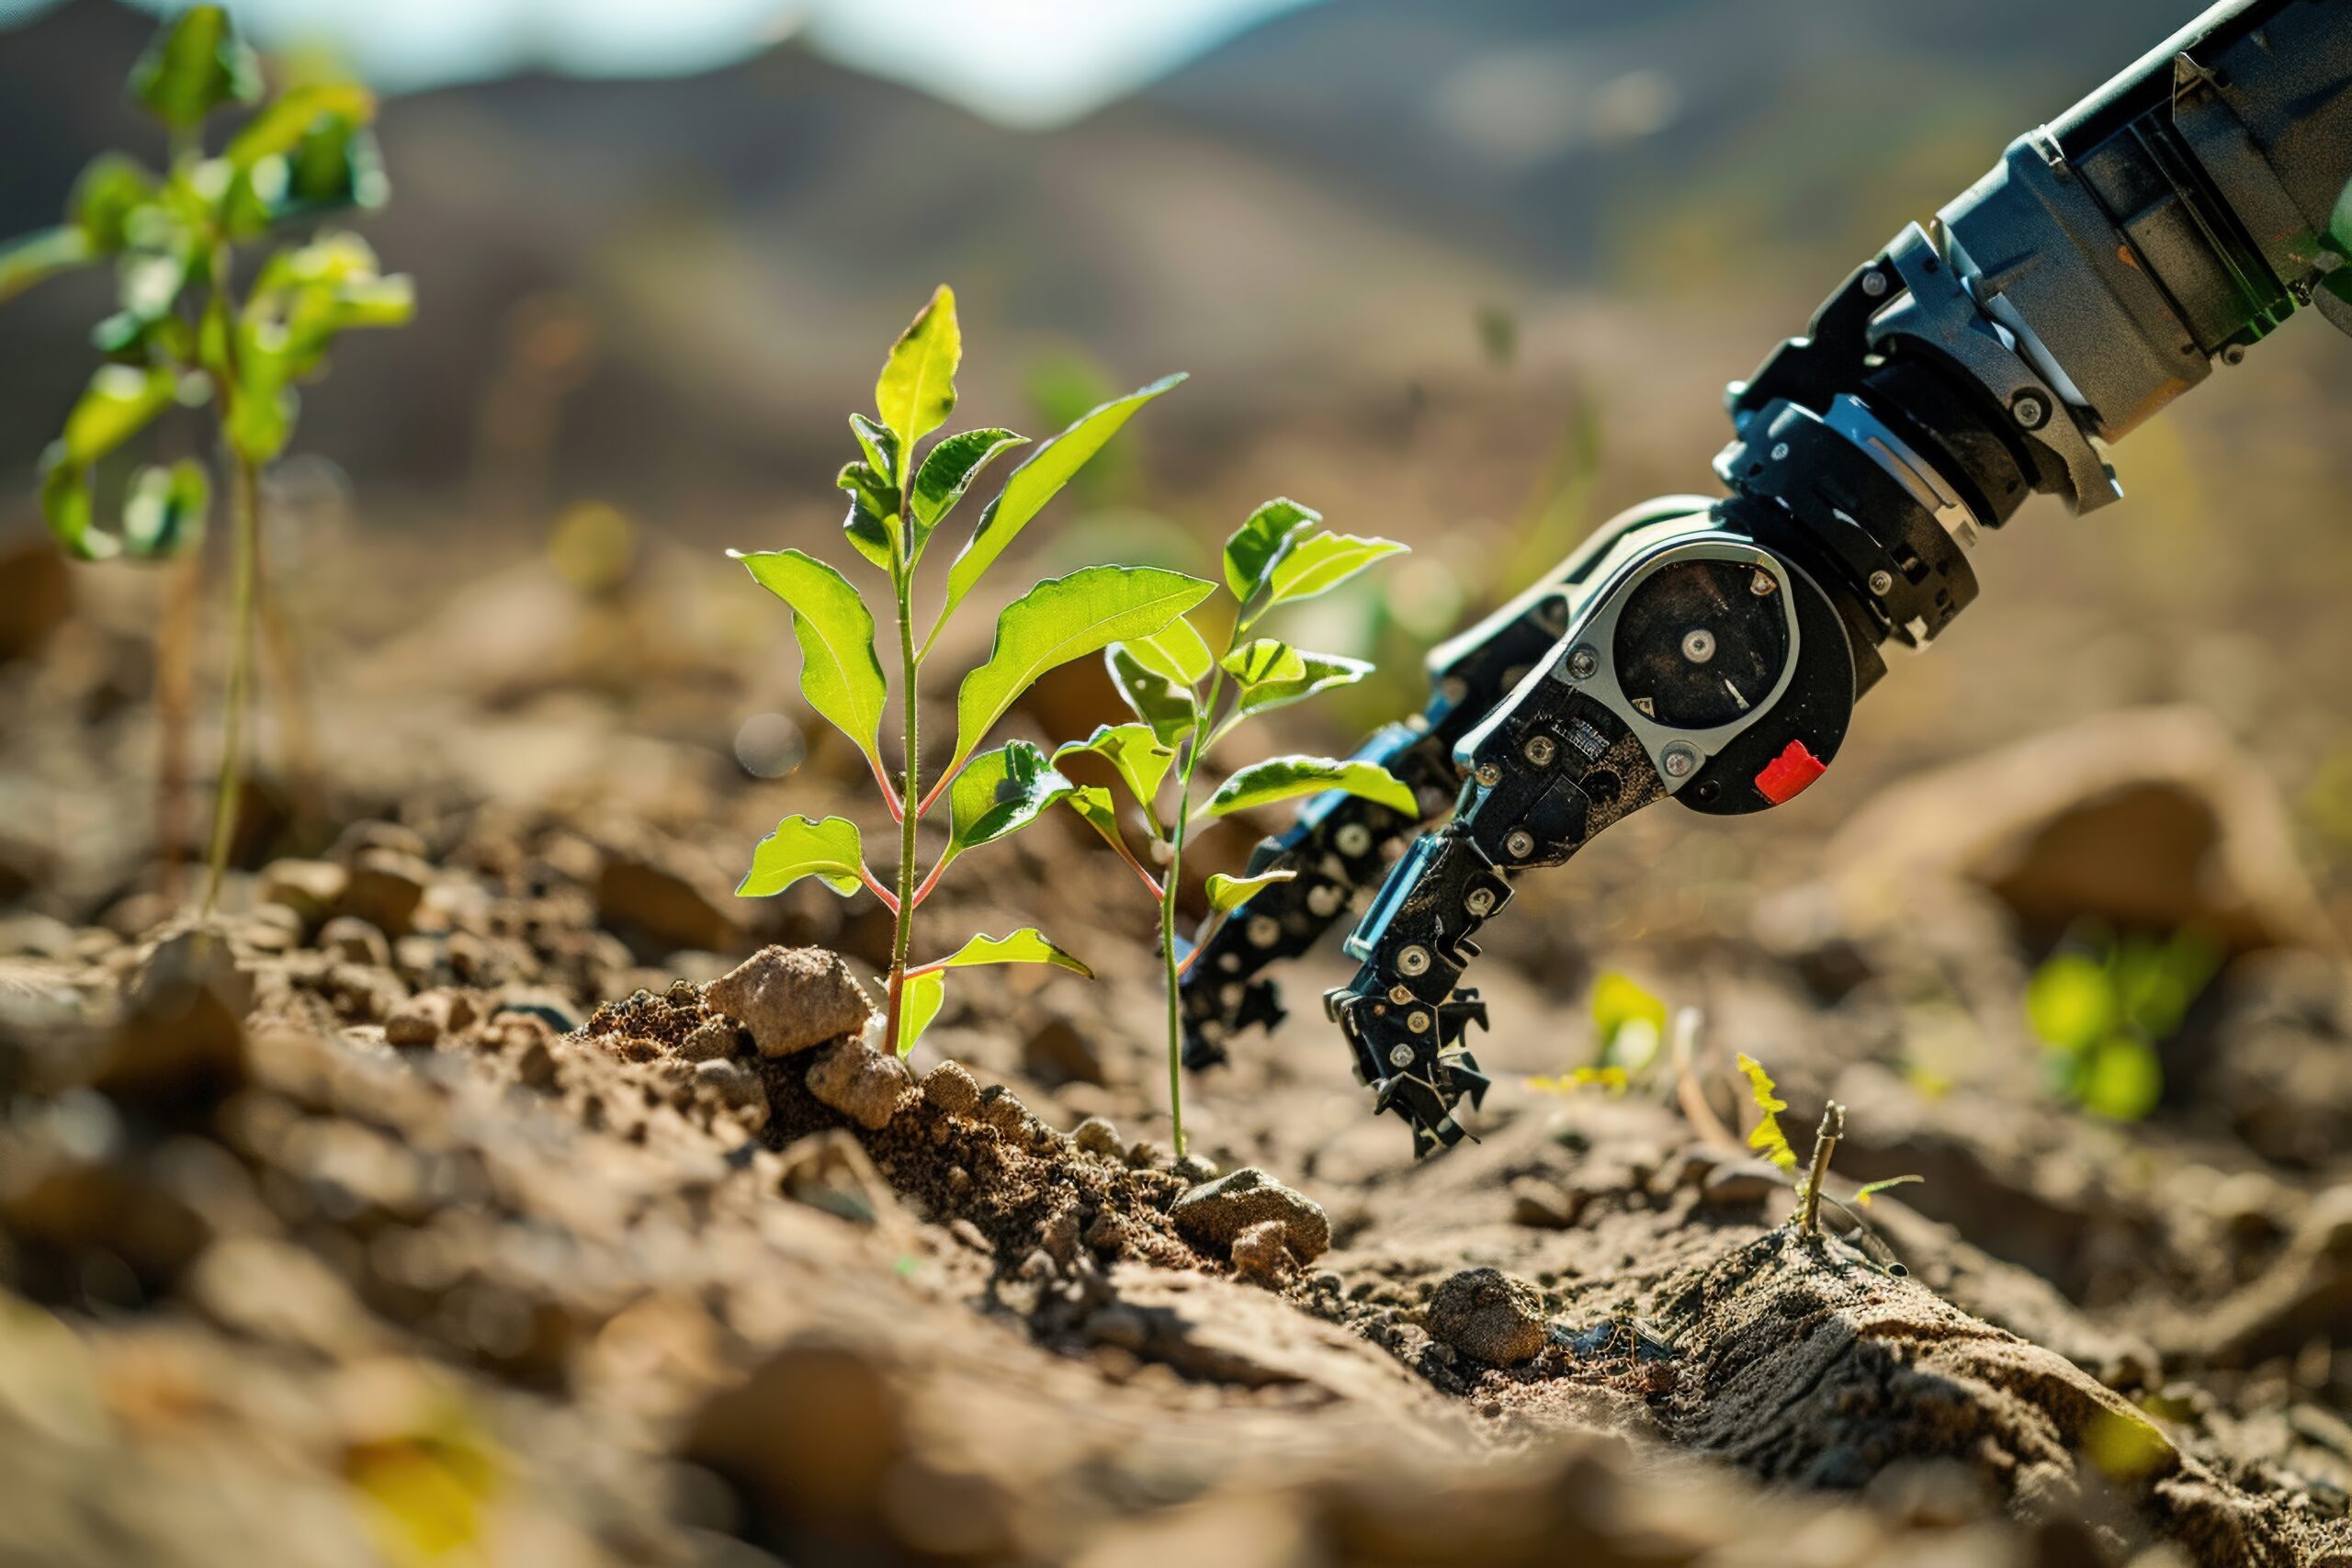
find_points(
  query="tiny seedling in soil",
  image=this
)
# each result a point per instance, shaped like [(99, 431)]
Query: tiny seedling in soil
[(184, 334), (1187, 698), (896, 503), (2101, 1006), (1629, 1023), (1768, 1139)]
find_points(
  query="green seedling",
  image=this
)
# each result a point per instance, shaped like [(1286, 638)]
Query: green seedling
[(184, 334), (1630, 1023), (1187, 698), (896, 503), (1768, 1139), (2101, 1006)]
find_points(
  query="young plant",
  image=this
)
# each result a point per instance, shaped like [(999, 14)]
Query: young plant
[(185, 334), (1186, 699), (1768, 1140), (2102, 1007), (896, 503)]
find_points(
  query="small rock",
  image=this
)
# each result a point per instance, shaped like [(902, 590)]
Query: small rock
[(346, 936), (1196, 1169), (830, 1171), (678, 904), (386, 888), (1741, 1183), (791, 999), (309, 887), (548, 1007), (952, 1089), (1097, 1137), (420, 1020), (1000, 1107), (1261, 1255), (860, 1084), (536, 1067), (1542, 1205), (1058, 1235), (737, 1086), (1214, 1214), (1145, 1155), (377, 835), (708, 1040), (1489, 1314), (1058, 1052)]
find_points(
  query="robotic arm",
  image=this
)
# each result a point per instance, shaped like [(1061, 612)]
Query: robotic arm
[(1712, 650)]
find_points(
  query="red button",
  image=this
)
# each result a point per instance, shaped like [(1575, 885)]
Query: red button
[(1785, 776)]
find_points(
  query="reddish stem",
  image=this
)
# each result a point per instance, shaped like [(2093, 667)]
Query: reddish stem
[(890, 899), (930, 882), (889, 792), (936, 791)]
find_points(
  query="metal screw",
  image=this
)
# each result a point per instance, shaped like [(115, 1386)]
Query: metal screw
[(1540, 750), (2028, 409), (1780, 450), (1417, 1021), (1583, 662), (1679, 761), (1353, 839), (1762, 584), (1882, 584), (1402, 1055), (1489, 775), (1479, 901), (1413, 961), (1698, 645), (1519, 845), (2233, 355), (1874, 283), (1400, 994)]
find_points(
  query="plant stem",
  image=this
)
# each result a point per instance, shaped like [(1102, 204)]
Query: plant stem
[(245, 503), (1824, 1144), (909, 817), (175, 698), (1169, 884)]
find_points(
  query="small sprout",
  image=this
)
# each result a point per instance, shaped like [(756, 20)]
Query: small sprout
[(1870, 1189), (1825, 1145), (2101, 1006), (1629, 1023), (1187, 696), (896, 505), (182, 335)]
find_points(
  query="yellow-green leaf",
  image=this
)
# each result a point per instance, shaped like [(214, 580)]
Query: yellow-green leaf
[(839, 673), (1272, 674), (1320, 562), (1027, 946), (829, 851), (1168, 709), (1767, 1138), (1256, 542), (1132, 749), (196, 64), (999, 793), (279, 129), (919, 999), (1230, 893), (948, 470), (1286, 778), (163, 515), (1870, 1189), (1093, 803), (1176, 651), (120, 400), (916, 391), (1029, 487), (40, 255), (1061, 619)]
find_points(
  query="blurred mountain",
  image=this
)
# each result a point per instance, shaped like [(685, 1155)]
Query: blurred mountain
[(650, 284)]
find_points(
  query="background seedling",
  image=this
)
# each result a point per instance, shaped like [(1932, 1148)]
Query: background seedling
[(185, 334), (1186, 699), (2101, 1006), (896, 503)]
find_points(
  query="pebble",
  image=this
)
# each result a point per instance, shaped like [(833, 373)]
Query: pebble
[(951, 1089), (309, 887), (385, 888), (1741, 1183), (708, 1040), (1261, 1255), (860, 1084), (737, 1086), (791, 999), (1215, 1213), (1097, 1137), (1489, 1314), (1058, 1051), (1545, 1206), (420, 1020), (349, 937)]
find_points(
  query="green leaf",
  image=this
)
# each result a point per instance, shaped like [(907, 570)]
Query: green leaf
[(1092, 802), (109, 191), (1034, 483), (279, 129), (1272, 674), (65, 505), (871, 524), (948, 470), (2122, 1081), (1320, 562), (120, 400), (1230, 893), (1620, 1002), (919, 999), (1870, 1189), (196, 64), (1134, 750), (165, 513), (839, 674), (1063, 618), (1026, 945), (880, 447), (1176, 651), (869, 535), (1254, 545), (998, 792), (829, 851), (1286, 778), (1170, 710), (2070, 1002), (41, 255), (916, 391), (336, 165)]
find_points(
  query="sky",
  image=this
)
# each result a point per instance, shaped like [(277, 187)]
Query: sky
[(1023, 62)]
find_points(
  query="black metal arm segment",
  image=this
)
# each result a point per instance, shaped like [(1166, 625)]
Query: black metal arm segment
[(1713, 651)]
